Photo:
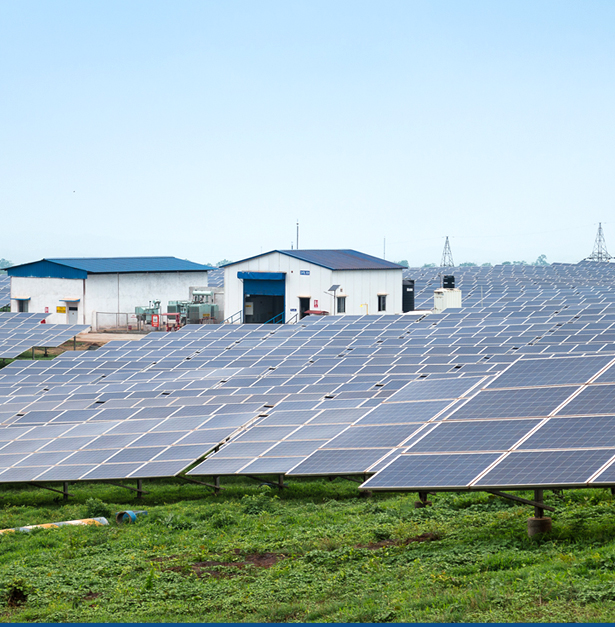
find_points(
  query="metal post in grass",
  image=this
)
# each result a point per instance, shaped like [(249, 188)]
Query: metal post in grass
[(540, 523), (139, 488), (422, 502), (65, 490)]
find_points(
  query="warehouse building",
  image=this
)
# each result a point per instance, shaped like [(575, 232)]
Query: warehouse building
[(282, 285), (88, 290)]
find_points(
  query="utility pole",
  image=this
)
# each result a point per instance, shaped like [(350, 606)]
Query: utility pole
[(447, 256), (297, 234), (600, 253)]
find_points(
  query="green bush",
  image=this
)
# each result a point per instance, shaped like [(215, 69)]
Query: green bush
[(95, 508)]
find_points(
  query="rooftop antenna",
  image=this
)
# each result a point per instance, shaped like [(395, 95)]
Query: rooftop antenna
[(384, 248), (297, 234), (447, 256), (600, 253)]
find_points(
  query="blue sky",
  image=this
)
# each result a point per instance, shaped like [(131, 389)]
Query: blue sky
[(206, 129)]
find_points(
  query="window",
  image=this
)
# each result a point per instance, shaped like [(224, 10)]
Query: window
[(382, 302), (22, 306), (341, 304)]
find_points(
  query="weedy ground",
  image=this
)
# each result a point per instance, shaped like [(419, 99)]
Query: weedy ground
[(313, 552)]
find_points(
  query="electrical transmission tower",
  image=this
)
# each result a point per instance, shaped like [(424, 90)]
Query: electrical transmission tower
[(447, 256), (600, 253)]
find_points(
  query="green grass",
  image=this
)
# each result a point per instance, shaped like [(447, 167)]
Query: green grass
[(479, 566)]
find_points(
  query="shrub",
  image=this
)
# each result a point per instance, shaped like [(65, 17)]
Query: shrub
[(95, 508)]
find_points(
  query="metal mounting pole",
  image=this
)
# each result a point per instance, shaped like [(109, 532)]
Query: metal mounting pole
[(422, 502), (139, 488), (65, 490), (540, 523), (539, 512)]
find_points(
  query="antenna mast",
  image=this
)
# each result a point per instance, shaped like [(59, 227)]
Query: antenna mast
[(297, 234), (447, 256), (600, 253)]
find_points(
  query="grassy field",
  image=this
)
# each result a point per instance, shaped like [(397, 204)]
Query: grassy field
[(314, 552)]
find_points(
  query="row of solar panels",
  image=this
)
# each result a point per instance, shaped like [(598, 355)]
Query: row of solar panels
[(21, 331), (280, 380)]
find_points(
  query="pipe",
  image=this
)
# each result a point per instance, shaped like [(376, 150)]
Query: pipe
[(128, 516), (97, 522)]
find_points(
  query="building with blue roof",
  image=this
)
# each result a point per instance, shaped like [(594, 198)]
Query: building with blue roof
[(90, 289), (282, 285)]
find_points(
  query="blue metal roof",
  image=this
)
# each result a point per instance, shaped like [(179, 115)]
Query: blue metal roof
[(334, 259), (78, 268)]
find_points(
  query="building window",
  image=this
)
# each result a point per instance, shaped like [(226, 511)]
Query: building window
[(382, 303), (341, 304), (22, 306)]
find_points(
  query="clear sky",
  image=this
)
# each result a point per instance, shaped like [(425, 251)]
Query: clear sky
[(205, 129)]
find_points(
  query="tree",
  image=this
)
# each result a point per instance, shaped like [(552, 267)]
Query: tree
[(223, 262), (519, 263), (4, 263), (467, 264), (429, 265), (403, 262), (541, 261), (486, 265), (506, 263)]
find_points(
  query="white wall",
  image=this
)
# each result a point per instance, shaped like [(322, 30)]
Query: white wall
[(106, 293), (47, 295), (360, 286)]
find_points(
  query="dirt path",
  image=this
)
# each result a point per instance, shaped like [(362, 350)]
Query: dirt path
[(103, 338)]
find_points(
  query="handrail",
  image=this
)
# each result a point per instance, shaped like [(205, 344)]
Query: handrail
[(231, 319), (275, 320), (293, 319)]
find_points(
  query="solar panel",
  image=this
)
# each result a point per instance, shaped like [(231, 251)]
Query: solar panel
[(430, 471), (537, 468)]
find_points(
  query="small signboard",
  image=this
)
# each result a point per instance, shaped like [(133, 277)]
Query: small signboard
[(304, 272), (315, 304), (46, 309), (155, 320), (60, 310), (249, 309)]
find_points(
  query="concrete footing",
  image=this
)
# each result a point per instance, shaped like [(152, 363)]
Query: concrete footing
[(536, 526)]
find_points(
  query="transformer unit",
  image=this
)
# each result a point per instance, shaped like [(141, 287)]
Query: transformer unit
[(144, 314)]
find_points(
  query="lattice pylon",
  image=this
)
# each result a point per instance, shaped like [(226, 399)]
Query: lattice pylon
[(447, 255), (600, 253)]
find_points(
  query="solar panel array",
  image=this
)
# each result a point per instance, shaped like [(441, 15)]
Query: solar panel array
[(5, 290), (21, 331), (331, 395), (215, 278)]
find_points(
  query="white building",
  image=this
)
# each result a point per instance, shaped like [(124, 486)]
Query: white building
[(283, 284), (82, 291)]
